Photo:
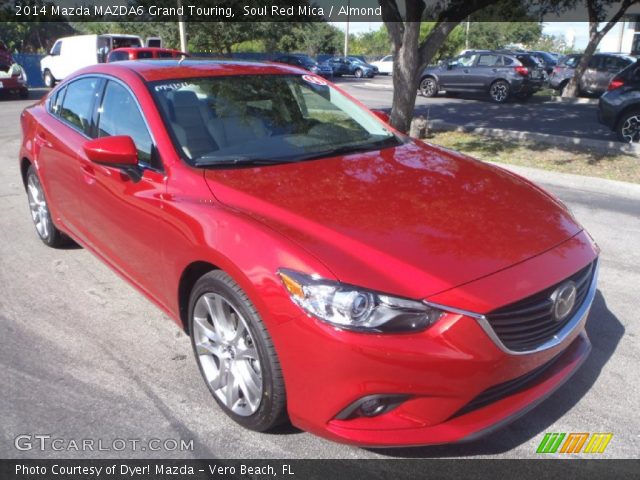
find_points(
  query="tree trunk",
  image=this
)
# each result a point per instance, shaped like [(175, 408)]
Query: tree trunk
[(408, 64), (405, 78)]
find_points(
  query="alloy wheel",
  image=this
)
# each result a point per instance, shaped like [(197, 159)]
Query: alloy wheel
[(630, 129), (38, 207), (227, 353), (428, 87), (499, 91)]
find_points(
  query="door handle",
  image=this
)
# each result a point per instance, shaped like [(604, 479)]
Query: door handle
[(88, 170), (41, 141)]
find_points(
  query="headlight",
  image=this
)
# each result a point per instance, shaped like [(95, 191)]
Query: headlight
[(353, 308)]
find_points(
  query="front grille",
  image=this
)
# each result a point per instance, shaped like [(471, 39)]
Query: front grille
[(503, 390), (528, 323)]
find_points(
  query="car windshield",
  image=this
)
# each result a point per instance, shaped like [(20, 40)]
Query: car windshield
[(234, 120)]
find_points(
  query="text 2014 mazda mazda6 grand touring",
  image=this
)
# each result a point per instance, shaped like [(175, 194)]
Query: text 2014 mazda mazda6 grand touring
[(373, 289)]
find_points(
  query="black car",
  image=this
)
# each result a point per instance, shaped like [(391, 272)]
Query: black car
[(501, 74), (306, 62), (619, 107), (352, 66)]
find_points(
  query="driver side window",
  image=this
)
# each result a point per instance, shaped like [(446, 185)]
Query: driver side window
[(56, 48)]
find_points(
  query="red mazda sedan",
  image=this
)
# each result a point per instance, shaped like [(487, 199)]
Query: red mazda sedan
[(373, 289)]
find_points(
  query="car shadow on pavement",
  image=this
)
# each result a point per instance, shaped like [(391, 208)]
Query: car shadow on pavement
[(605, 332)]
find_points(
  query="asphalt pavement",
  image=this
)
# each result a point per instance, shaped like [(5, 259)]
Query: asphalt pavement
[(537, 115), (86, 357)]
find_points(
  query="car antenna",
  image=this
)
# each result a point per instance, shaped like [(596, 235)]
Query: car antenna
[(182, 57)]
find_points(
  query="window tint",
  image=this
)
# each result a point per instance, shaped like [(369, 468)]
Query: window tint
[(527, 61), (595, 62), (467, 60), (166, 54), (488, 60), (118, 56), (119, 115), (145, 54), (56, 101), (507, 60), (56, 48), (388, 58), (572, 62), (78, 102)]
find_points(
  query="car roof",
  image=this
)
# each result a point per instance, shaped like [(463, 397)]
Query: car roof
[(172, 69)]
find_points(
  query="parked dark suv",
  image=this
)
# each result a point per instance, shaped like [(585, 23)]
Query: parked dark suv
[(619, 107), (601, 69), (501, 74)]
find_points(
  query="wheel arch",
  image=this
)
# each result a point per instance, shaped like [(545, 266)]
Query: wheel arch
[(498, 80), (25, 163), (190, 275), (626, 110)]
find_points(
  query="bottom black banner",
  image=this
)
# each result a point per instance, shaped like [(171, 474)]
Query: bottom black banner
[(311, 469)]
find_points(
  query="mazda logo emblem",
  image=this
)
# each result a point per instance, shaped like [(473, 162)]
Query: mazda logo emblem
[(564, 299)]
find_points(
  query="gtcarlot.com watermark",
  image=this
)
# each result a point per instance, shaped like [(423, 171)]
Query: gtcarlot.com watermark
[(47, 442)]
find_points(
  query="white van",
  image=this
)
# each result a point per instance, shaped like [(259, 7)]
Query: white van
[(72, 53)]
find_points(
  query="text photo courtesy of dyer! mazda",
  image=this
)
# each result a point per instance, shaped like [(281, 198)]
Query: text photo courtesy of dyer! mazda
[(330, 271)]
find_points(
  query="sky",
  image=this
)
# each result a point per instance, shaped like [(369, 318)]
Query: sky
[(579, 30)]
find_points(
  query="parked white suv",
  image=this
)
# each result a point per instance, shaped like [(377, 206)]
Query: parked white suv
[(72, 53)]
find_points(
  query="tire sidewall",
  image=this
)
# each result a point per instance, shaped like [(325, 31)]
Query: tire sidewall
[(220, 283), (358, 73), (435, 87), (52, 239), (621, 122)]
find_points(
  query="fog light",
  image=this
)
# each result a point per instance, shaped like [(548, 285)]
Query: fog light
[(371, 406)]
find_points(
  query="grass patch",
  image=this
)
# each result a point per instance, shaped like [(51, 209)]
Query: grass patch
[(620, 166)]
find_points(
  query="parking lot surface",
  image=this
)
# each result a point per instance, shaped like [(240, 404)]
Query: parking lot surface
[(538, 115), (85, 356)]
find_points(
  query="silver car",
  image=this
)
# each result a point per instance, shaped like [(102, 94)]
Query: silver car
[(601, 69)]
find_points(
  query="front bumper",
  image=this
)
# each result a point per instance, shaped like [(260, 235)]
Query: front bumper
[(441, 371)]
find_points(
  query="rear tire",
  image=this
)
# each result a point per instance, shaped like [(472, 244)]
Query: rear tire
[(40, 214), (235, 354), (49, 81), (628, 127), (429, 87), (499, 91), (24, 94)]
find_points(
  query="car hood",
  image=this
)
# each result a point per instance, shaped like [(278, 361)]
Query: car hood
[(413, 220)]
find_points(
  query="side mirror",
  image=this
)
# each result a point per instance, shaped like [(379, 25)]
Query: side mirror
[(382, 116), (117, 152)]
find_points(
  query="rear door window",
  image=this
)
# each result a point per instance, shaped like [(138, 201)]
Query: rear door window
[(489, 60), (77, 106)]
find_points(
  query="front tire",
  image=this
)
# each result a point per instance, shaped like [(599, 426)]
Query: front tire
[(628, 128), (235, 354), (40, 214), (429, 87), (358, 73), (499, 91)]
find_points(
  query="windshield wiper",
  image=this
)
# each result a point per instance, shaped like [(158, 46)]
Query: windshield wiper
[(348, 149), (226, 161)]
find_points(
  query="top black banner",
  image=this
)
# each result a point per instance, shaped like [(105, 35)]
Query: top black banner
[(305, 10)]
